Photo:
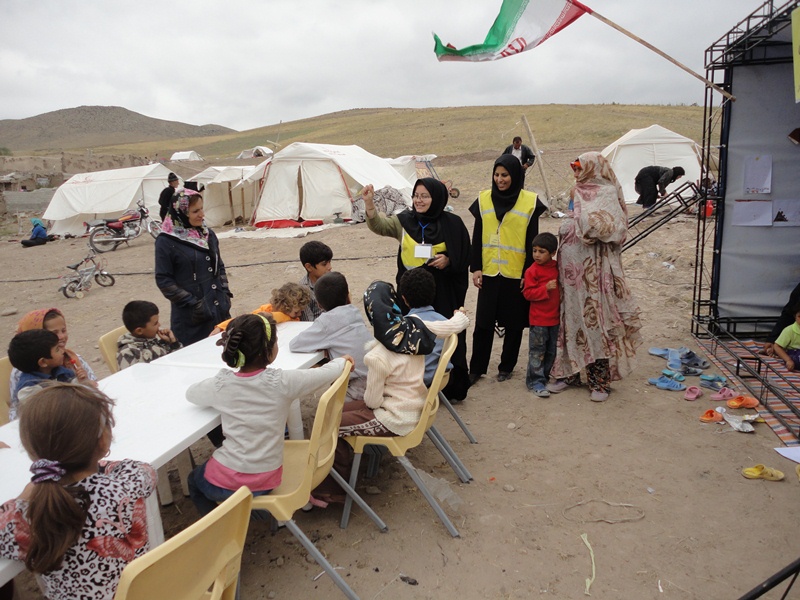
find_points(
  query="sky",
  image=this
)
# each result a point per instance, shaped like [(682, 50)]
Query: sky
[(249, 63)]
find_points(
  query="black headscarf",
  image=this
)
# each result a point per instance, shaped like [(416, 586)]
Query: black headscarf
[(397, 333), (413, 222), (505, 201)]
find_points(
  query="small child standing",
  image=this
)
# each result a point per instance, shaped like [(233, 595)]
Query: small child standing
[(787, 346), (39, 358), (316, 260), (81, 520), (254, 402), (339, 330), (540, 288), (145, 340), (287, 303)]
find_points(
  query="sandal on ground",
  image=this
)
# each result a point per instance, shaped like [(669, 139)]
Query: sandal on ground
[(692, 393), (691, 370), (711, 385), (714, 378), (711, 416), (664, 352), (762, 472), (665, 383), (723, 394), (676, 375), (742, 402), (690, 359)]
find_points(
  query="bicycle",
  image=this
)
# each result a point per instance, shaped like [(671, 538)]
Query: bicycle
[(81, 279)]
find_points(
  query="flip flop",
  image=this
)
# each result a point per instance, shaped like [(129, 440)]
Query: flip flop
[(664, 352), (690, 359), (742, 402), (691, 370), (711, 416), (712, 385), (717, 378), (762, 472), (723, 394), (673, 375), (665, 383), (692, 393)]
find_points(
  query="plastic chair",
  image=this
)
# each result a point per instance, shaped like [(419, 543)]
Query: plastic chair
[(305, 464), (5, 392), (449, 406), (108, 348), (202, 561), (399, 445)]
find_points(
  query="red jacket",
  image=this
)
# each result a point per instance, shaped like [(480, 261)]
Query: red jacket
[(544, 303)]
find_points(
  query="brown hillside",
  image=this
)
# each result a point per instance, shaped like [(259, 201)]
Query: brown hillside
[(90, 126)]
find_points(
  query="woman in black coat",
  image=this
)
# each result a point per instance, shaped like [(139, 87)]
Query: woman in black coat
[(189, 270)]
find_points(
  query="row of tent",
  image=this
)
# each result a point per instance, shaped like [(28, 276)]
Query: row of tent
[(310, 183)]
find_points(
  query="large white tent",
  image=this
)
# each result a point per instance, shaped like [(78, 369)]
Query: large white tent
[(104, 194), (314, 182), (224, 200), (654, 145)]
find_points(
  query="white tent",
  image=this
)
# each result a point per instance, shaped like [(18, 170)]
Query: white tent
[(653, 145), (407, 165), (104, 194), (223, 198), (186, 155), (315, 181), (257, 152)]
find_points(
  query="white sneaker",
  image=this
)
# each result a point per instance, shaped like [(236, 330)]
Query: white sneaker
[(597, 396)]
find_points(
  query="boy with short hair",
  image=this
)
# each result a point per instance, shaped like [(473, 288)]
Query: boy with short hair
[(146, 340), (417, 288), (787, 346), (39, 358), (339, 330), (316, 260), (540, 288)]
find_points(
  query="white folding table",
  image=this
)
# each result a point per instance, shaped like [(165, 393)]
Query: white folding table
[(154, 421)]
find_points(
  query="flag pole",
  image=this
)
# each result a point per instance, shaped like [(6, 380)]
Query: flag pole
[(538, 161), (636, 38)]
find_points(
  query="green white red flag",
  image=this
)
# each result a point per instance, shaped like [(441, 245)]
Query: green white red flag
[(520, 26)]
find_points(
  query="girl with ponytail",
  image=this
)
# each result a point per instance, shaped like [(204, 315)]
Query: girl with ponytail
[(81, 520), (254, 404)]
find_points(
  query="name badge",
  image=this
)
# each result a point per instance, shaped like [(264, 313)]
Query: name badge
[(494, 239), (423, 251)]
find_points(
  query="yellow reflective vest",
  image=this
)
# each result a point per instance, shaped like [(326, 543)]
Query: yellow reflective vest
[(407, 245), (504, 243)]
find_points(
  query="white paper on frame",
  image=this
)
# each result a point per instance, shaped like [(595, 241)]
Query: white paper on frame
[(758, 174), (752, 213)]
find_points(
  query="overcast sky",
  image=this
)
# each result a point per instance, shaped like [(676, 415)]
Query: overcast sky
[(246, 64)]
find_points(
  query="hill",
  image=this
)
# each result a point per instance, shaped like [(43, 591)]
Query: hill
[(91, 126)]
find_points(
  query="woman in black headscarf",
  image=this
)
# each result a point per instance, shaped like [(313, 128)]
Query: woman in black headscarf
[(506, 221), (189, 270), (436, 240)]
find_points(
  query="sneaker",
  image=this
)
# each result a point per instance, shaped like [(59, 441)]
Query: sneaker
[(503, 376), (598, 396), (542, 392), (557, 386)]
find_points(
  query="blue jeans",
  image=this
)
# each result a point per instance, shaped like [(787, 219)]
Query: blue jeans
[(541, 354), (205, 495)]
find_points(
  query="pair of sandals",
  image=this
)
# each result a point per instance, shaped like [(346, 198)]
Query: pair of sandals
[(678, 358)]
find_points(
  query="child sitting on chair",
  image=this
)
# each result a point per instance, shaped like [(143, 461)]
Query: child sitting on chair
[(787, 346), (315, 256), (39, 358), (339, 330), (287, 304), (146, 340), (254, 403)]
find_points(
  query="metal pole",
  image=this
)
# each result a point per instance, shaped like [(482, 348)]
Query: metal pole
[(538, 161)]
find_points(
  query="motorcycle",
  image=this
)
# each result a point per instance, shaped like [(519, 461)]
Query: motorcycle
[(109, 234), (80, 280)]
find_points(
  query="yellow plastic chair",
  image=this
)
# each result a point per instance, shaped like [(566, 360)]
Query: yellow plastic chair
[(5, 392), (305, 464), (108, 348), (399, 445), (202, 561)]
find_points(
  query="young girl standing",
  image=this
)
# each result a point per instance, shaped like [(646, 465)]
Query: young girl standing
[(81, 520), (254, 402)]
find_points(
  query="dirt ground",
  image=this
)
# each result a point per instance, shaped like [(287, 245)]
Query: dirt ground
[(695, 528)]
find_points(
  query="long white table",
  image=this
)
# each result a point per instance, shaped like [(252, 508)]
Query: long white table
[(154, 421)]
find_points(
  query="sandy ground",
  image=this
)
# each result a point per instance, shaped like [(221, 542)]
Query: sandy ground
[(695, 528)]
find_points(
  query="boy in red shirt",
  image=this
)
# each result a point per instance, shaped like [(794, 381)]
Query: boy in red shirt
[(540, 287)]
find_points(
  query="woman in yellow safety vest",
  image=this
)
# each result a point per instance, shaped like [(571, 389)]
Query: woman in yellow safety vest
[(506, 221), (437, 240)]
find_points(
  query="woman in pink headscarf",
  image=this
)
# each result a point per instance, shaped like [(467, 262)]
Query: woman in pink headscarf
[(600, 324)]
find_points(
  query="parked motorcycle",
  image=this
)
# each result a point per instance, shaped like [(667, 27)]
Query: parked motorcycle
[(80, 280), (109, 234)]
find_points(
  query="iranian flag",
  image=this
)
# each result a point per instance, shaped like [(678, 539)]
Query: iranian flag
[(521, 25)]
